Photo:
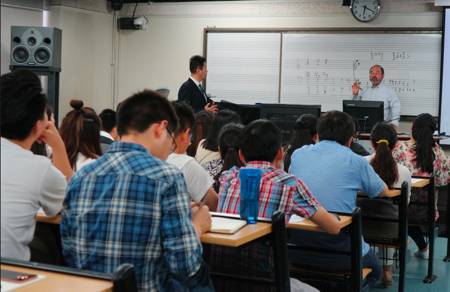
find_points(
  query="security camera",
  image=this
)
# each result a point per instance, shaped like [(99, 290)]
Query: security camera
[(141, 23)]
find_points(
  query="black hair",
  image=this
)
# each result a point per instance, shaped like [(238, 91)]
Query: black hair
[(304, 130), (260, 141), (222, 118), (22, 104), (422, 132), (141, 110), (196, 62), (336, 126), (382, 69), (384, 163), (229, 149), (108, 120), (200, 130), (185, 116)]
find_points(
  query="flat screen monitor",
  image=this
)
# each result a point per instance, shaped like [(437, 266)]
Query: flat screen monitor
[(247, 112), (285, 116), (368, 113)]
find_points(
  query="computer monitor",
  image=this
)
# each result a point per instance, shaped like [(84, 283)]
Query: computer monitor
[(247, 112), (285, 116), (368, 113)]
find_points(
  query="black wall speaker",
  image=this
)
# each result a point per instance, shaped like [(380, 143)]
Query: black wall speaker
[(36, 46)]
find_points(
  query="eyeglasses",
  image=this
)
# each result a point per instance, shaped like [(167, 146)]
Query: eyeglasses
[(174, 144)]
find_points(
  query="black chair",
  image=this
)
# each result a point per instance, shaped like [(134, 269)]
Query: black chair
[(326, 281)]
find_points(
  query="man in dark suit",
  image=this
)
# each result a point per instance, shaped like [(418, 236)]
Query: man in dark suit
[(192, 91), (108, 130)]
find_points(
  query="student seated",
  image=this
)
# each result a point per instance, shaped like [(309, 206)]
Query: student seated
[(131, 206), (229, 153), (356, 147), (108, 129), (200, 130), (260, 147), (383, 139), (335, 174), (80, 131), (208, 149), (28, 182), (198, 182), (304, 133), (422, 156)]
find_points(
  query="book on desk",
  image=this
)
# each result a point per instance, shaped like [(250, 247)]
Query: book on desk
[(225, 225)]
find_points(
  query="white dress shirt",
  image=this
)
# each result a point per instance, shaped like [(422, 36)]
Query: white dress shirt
[(392, 107)]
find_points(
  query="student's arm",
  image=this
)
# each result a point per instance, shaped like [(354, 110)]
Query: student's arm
[(213, 200), (384, 192), (60, 159), (326, 221)]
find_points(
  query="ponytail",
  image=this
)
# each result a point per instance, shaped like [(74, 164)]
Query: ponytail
[(423, 128), (384, 138)]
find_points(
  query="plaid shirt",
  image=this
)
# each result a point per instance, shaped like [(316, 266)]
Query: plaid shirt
[(130, 207), (279, 191)]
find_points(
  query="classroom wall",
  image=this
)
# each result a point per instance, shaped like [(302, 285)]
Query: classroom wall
[(86, 57), (12, 16)]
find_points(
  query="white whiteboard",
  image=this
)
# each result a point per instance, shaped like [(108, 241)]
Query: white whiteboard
[(243, 68), (320, 68)]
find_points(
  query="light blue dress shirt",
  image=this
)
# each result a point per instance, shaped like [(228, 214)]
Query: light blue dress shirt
[(334, 175), (392, 107)]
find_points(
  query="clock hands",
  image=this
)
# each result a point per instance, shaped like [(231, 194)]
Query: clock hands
[(365, 7)]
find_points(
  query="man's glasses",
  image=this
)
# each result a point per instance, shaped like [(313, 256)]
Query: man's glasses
[(174, 144)]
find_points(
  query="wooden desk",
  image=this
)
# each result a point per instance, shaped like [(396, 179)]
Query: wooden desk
[(311, 226), (248, 233), (391, 194), (55, 282), (420, 184)]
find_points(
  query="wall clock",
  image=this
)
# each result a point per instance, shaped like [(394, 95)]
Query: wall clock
[(365, 10)]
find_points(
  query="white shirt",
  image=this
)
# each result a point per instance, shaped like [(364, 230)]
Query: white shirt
[(386, 94), (106, 135), (403, 175), (197, 179), (82, 161), (203, 155), (28, 182), (198, 83)]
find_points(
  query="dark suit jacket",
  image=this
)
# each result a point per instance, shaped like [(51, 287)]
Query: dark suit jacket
[(191, 94)]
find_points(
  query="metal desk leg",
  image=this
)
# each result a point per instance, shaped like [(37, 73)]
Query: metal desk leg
[(431, 228), (447, 226), (403, 234)]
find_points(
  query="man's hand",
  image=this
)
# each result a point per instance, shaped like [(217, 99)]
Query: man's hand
[(201, 220), (355, 87), (51, 136), (212, 108)]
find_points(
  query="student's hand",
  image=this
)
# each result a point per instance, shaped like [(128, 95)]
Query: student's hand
[(212, 108), (355, 87), (201, 219), (51, 136)]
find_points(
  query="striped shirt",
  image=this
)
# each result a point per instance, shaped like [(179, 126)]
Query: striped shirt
[(130, 207)]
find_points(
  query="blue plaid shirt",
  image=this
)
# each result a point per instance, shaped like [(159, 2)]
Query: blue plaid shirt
[(130, 207)]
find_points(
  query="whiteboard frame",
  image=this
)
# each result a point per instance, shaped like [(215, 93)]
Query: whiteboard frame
[(322, 30)]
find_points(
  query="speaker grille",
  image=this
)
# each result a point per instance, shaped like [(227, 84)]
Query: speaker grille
[(42, 55), (20, 54)]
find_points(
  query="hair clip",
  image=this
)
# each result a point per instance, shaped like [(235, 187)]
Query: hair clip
[(383, 141)]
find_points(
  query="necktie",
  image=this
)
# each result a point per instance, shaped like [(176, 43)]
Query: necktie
[(204, 94)]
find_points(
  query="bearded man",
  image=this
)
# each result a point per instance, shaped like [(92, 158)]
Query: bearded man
[(380, 92)]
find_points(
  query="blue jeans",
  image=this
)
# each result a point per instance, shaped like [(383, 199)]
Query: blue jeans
[(371, 261)]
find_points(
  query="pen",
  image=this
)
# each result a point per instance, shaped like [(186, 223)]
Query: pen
[(205, 199)]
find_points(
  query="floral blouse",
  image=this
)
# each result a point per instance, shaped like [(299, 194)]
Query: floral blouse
[(404, 154)]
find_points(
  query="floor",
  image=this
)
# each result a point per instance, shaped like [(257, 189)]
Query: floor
[(416, 271)]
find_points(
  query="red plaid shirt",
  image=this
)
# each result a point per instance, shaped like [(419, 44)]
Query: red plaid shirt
[(279, 191)]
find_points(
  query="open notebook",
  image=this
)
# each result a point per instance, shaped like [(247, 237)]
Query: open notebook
[(225, 225)]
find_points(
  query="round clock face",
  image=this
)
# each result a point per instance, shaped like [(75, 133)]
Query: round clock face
[(365, 10)]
